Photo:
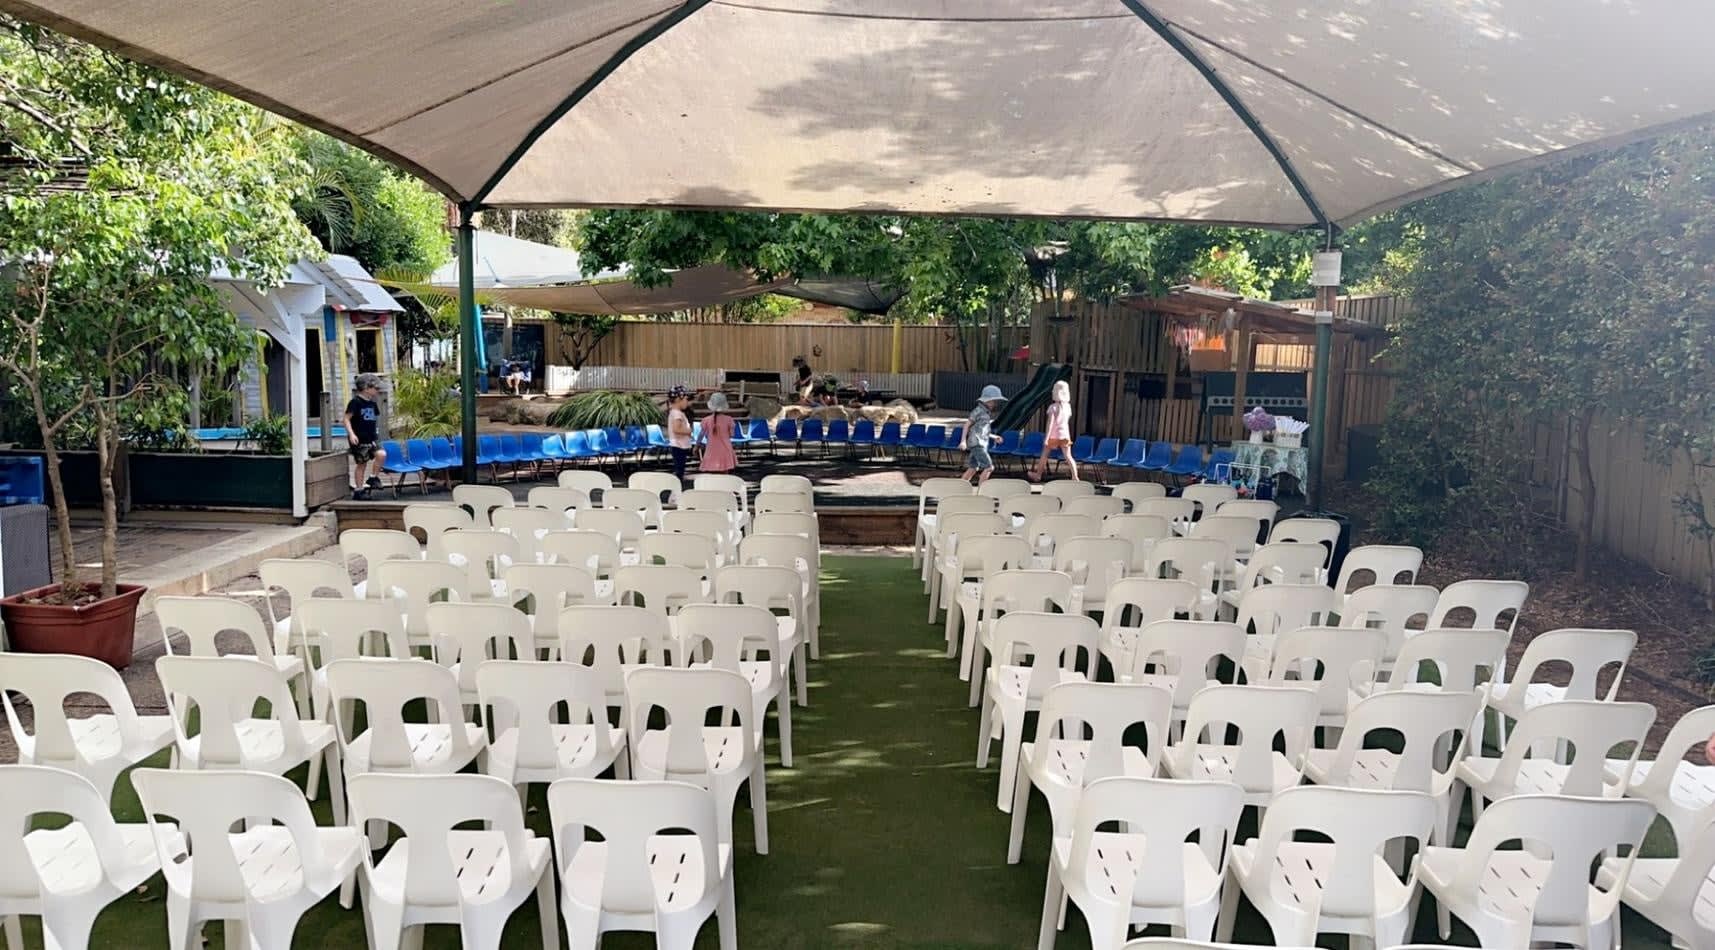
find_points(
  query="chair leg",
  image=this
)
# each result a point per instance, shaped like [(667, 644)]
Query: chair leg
[(726, 916), (759, 806), (985, 731), (1229, 911), (783, 711), (546, 911), (800, 657), (1020, 811), (336, 784), (1050, 909), (1011, 740)]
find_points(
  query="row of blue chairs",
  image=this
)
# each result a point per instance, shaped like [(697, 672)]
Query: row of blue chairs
[(441, 456), (891, 436)]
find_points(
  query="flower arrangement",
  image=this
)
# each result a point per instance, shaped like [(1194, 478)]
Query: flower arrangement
[(1258, 420)]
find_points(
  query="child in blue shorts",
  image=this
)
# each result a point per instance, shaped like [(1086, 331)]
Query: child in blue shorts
[(978, 436)]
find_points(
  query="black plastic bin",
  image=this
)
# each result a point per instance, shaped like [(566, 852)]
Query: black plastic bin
[(1342, 545)]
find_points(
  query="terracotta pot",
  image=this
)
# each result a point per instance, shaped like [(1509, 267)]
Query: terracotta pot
[(103, 630)]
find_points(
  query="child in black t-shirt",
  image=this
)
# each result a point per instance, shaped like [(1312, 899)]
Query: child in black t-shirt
[(362, 422)]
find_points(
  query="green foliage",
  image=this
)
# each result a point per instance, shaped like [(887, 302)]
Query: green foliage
[(426, 404), (270, 435), (579, 334), (601, 408), (154, 421), (358, 205)]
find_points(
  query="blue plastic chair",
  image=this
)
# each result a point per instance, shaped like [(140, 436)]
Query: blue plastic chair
[(599, 449), (697, 434), (810, 430), (577, 446), (890, 438), (1032, 445), (423, 453), (1082, 447), (915, 435), (1101, 453), (1220, 459), (637, 439), (531, 445), (740, 434), (1189, 462), (613, 439), (786, 430), (488, 451), (839, 432), (658, 438), (554, 449), (511, 450), (401, 465), (1008, 444), (447, 453), (759, 433), (863, 433), (954, 443), (1160, 456), (933, 438), (1131, 454)]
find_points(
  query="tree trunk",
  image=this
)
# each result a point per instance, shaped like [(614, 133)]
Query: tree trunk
[(62, 517), (1587, 488), (107, 442)]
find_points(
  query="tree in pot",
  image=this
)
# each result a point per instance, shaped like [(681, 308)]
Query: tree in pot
[(124, 190)]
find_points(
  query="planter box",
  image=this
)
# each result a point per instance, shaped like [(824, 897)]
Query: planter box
[(81, 472), (215, 479), (104, 630), (327, 479)]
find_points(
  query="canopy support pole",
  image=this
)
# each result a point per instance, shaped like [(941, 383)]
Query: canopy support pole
[(469, 329), (1327, 282)]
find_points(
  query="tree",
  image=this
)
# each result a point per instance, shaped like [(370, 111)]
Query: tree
[(579, 334), (107, 286), (358, 205)]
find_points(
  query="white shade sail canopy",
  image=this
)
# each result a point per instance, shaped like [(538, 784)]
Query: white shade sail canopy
[(1261, 112)]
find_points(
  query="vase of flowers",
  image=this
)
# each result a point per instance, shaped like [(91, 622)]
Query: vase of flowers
[(1259, 423)]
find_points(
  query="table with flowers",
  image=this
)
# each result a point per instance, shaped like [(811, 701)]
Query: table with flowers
[(1252, 460)]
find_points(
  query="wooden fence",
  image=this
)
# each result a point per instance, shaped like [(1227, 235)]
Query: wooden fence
[(830, 348)]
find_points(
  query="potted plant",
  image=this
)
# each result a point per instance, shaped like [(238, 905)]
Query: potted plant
[(128, 189), (1259, 423)]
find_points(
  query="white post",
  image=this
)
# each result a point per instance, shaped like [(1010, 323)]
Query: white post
[(300, 437)]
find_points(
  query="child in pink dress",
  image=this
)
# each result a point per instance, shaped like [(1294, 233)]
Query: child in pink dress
[(1059, 435), (718, 455)]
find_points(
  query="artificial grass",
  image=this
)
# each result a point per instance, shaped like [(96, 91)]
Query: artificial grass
[(885, 835)]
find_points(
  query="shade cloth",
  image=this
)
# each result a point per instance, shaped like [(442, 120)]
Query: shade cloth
[(1264, 112)]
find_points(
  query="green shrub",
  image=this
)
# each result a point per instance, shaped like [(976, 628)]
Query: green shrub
[(270, 435), (601, 408), (426, 404)]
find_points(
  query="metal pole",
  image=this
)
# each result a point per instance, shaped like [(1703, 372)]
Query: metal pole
[(1319, 404), (469, 328)]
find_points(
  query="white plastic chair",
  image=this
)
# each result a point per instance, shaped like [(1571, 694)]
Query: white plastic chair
[(413, 585), (592, 483), (659, 588), (1133, 492), (1143, 531), (1208, 496), (528, 526), (718, 758), (1592, 728), (1267, 612), (1378, 564), (1462, 661), (481, 500), (484, 555), (1260, 714), (1587, 652), (789, 522), (637, 877), (433, 518), (978, 558), (301, 579), (1398, 610), (203, 619), (1278, 562), (949, 528), (1540, 893), (1096, 564), (1134, 603), (1080, 738), (67, 875), (555, 498), (98, 746), (1322, 532), (772, 588), (1067, 488), (1180, 512), (697, 552), (1202, 561), (533, 742), (786, 483), (1148, 871), (1004, 592), (1681, 792), (1261, 511), (659, 484), (468, 635), (1329, 660), (766, 503), (1095, 506), (731, 484), (548, 588), (593, 551), (388, 743), (640, 502), (1341, 885), (1019, 510), (436, 874), (930, 494), (372, 546), (731, 635), (224, 692), (800, 554), (1670, 892), (1004, 487), (341, 630), (1057, 644), (260, 879), (1057, 529), (1182, 657), (612, 641), (624, 527), (1494, 605), (718, 526), (1238, 531)]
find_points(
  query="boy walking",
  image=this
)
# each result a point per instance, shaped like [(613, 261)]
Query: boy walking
[(362, 421), (978, 436)]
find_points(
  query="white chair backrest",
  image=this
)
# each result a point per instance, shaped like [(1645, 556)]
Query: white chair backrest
[(695, 551), (529, 526), (549, 588), (1260, 714), (426, 808), (203, 619), (1493, 605), (629, 817), (483, 554), (1102, 714), (1096, 506), (1132, 493), (1423, 721), (665, 486), (593, 551), (1189, 650), (723, 635), (385, 688), (1240, 532), (1180, 510), (965, 504), (953, 525), (661, 589), (1576, 831), (591, 483), (983, 555), (224, 691), (1693, 729), (1277, 608), (529, 696), (1284, 562), (1587, 652), (1208, 495), (776, 587), (706, 500), (413, 585), (1066, 489), (555, 498), (341, 630), (1136, 602), (607, 639), (1323, 532), (1358, 822), (782, 550), (1057, 529), (1004, 487), (786, 483), (1029, 590), (1591, 727), (1263, 512), (481, 500), (374, 545), (710, 523), (47, 680), (432, 518), (1026, 507), (1399, 610), (1329, 660), (1159, 816), (769, 502), (1053, 642), (624, 527), (785, 522), (933, 490), (1141, 530), (1379, 564), (731, 484), (203, 807), (1097, 563), (469, 635), (687, 696), (304, 578), (27, 791), (1463, 659), (1198, 560), (644, 504)]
